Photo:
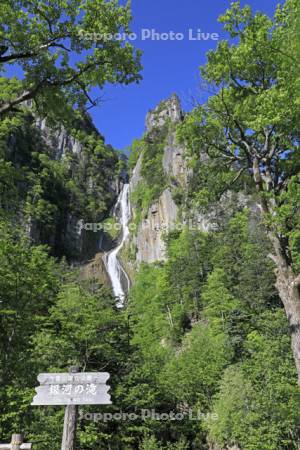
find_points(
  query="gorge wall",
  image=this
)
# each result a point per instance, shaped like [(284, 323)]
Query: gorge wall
[(63, 179), (162, 213), (153, 219), (92, 183)]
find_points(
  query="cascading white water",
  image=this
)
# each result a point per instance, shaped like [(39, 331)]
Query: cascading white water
[(113, 266)]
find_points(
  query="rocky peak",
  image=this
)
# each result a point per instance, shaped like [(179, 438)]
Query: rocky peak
[(167, 109), (162, 213)]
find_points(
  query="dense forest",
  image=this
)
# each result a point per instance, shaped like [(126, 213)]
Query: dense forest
[(205, 354)]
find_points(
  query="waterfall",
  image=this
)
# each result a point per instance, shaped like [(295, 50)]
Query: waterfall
[(113, 266)]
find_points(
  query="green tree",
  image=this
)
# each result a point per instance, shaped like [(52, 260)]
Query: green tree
[(151, 443), (192, 378), (249, 128), (241, 250), (82, 328), (258, 400), (29, 282), (60, 58)]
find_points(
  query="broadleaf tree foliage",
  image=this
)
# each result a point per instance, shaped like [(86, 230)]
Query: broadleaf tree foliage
[(250, 128), (50, 45)]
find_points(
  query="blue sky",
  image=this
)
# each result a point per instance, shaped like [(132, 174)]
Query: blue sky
[(169, 66)]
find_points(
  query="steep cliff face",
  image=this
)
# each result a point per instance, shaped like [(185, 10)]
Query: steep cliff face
[(174, 162), (61, 180), (59, 140), (160, 218), (166, 212), (162, 213), (95, 269), (71, 234)]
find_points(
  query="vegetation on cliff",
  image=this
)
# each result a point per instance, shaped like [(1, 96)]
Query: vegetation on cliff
[(46, 182), (153, 178)]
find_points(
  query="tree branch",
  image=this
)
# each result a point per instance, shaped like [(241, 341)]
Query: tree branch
[(32, 54), (30, 94)]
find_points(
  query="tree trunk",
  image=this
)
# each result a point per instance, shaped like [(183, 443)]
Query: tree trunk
[(287, 284), (289, 293)]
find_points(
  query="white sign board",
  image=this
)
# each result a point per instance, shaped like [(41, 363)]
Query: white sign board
[(88, 388), (9, 446)]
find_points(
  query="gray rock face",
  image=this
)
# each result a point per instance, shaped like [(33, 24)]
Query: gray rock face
[(168, 109), (74, 236), (60, 143), (222, 211), (70, 233), (136, 174), (161, 217), (59, 140), (174, 163)]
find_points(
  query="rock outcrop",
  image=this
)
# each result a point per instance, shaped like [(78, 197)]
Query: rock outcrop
[(174, 162), (162, 214), (59, 140), (70, 233), (160, 218), (167, 109), (95, 270)]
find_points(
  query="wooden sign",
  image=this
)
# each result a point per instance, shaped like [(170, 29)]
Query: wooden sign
[(16, 444), (88, 388), (72, 389)]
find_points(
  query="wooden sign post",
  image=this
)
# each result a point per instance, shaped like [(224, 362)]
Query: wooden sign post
[(72, 389), (70, 422), (16, 443)]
